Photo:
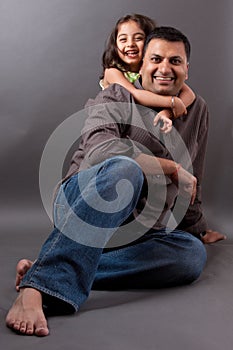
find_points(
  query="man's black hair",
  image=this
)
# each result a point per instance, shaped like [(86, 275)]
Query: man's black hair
[(169, 34)]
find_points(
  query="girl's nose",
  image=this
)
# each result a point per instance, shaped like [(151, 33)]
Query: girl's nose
[(130, 42)]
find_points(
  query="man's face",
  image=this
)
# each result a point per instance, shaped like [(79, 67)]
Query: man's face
[(165, 67)]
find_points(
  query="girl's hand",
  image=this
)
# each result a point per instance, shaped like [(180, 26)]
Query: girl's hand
[(178, 108), (163, 118)]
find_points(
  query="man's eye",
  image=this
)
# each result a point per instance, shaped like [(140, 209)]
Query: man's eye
[(176, 61), (155, 59)]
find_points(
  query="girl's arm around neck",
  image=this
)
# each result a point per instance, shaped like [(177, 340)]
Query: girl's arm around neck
[(146, 98), (187, 95)]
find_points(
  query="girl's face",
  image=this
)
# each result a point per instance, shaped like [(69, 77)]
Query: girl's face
[(130, 41)]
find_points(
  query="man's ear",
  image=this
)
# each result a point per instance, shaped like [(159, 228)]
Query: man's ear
[(140, 70), (187, 75)]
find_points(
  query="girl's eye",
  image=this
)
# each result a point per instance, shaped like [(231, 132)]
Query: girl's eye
[(139, 38)]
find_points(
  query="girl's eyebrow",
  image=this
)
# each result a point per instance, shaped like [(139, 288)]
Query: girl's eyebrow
[(138, 33)]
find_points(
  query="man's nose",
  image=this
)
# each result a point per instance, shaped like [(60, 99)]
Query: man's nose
[(165, 67)]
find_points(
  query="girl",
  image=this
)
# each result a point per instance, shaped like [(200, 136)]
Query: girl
[(122, 60)]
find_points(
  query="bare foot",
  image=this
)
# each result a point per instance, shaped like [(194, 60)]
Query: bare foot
[(22, 267), (26, 316), (212, 237)]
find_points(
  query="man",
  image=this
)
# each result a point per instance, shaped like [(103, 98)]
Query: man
[(123, 180)]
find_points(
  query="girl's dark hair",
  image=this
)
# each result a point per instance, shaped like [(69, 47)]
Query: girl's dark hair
[(110, 58)]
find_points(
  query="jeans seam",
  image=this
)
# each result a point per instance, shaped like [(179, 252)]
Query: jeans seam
[(43, 258)]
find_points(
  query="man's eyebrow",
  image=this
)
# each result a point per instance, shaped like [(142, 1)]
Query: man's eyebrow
[(176, 56), (156, 55)]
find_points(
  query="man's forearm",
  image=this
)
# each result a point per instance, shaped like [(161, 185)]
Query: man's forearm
[(156, 166)]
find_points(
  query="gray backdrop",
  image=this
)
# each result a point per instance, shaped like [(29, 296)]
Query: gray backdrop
[(50, 64)]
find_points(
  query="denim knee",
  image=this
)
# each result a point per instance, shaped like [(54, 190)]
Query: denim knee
[(120, 168), (125, 167), (194, 260), (103, 197)]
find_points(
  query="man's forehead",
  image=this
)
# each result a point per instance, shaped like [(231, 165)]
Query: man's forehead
[(157, 45)]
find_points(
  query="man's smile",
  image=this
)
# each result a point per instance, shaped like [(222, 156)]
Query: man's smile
[(163, 78)]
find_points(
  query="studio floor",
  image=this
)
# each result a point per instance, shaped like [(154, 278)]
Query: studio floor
[(198, 316)]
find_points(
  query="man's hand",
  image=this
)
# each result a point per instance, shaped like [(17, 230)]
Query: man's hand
[(212, 237), (186, 183)]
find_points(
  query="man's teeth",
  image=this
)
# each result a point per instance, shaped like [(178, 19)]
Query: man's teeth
[(162, 78)]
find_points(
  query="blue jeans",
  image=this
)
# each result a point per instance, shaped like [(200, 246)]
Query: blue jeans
[(73, 260)]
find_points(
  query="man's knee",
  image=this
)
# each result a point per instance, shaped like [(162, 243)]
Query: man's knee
[(187, 261), (114, 185), (194, 260), (124, 168)]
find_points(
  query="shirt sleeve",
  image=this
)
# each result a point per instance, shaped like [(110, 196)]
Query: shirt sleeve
[(105, 132), (194, 220)]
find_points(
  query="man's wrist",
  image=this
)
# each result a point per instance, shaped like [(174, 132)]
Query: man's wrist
[(175, 172), (168, 166)]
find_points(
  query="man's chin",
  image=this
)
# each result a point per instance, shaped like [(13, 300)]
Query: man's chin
[(161, 92)]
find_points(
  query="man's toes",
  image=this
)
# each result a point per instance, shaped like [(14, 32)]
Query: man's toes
[(10, 322), (23, 327), (41, 331), (16, 325), (29, 329), (41, 327)]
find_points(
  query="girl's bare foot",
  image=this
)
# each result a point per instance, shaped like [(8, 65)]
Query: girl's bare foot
[(22, 267), (26, 316)]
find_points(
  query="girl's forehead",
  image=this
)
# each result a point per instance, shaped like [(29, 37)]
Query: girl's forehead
[(129, 26)]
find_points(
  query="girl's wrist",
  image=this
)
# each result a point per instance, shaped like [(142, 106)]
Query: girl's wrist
[(173, 105)]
